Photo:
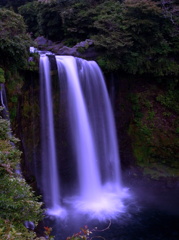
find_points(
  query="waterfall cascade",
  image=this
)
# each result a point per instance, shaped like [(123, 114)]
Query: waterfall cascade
[(91, 139), (3, 101), (51, 191)]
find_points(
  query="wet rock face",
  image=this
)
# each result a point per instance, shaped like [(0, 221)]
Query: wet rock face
[(27, 126), (122, 107), (84, 49)]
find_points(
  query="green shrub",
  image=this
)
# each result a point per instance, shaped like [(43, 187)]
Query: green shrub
[(18, 202), (14, 41)]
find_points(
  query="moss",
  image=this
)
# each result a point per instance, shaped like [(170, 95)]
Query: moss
[(2, 78), (154, 134), (157, 171), (81, 49), (108, 63), (141, 147), (14, 83)]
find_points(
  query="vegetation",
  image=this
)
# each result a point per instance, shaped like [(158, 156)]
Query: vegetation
[(153, 43), (86, 233), (2, 79), (154, 130), (13, 4), (17, 200), (14, 41), (14, 51), (136, 37)]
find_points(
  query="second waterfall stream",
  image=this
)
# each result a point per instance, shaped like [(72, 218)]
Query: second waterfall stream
[(95, 186)]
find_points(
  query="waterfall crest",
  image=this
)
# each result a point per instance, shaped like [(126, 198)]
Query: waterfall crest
[(92, 137)]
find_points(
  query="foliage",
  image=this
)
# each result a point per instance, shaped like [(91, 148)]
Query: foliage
[(135, 36), (11, 4), (10, 232), (2, 78), (170, 11), (42, 19), (47, 1), (29, 13), (154, 128), (14, 82), (86, 233), (77, 21), (109, 25), (83, 234), (49, 21), (153, 44), (17, 200), (47, 233), (14, 42), (170, 100)]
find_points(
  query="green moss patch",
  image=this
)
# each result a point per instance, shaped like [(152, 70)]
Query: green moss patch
[(154, 131)]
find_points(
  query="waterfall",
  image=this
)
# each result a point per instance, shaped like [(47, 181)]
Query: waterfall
[(3, 101), (92, 140), (81, 131), (50, 180)]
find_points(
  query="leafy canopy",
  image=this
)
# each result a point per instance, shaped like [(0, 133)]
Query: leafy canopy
[(14, 41), (137, 36)]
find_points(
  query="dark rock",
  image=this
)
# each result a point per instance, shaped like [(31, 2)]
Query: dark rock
[(67, 51), (90, 53), (84, 49), (41, 41), (30, 59), (84, 44), (29, 225), (55, 47)]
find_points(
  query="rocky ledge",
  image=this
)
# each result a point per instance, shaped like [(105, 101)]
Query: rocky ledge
[(84, 49)]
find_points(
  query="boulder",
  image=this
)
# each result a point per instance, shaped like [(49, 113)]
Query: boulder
[(42, 41), (67, 51)]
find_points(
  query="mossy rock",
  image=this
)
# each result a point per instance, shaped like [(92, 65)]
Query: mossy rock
[(156, 171), (154, 135)]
